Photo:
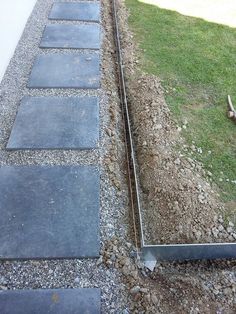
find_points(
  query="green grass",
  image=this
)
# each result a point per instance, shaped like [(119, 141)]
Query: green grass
[(196, 61)]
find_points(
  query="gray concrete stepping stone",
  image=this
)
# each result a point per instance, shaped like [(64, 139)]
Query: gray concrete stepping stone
[(78, 70), (52, 301), (71, 36), (56, 123), (83, 11), (49, 212)]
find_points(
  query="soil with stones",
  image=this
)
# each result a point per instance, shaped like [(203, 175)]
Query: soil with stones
[(178, 204), (189, 287)]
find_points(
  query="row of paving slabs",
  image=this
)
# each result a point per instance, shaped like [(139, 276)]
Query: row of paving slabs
[(53, 211)]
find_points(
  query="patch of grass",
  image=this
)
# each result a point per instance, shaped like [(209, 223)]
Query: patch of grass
[(196, 61)]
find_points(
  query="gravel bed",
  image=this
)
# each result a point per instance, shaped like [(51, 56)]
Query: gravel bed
[(110, 155)]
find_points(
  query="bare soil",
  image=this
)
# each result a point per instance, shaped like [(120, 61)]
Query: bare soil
[(178, 288), (179, 205)]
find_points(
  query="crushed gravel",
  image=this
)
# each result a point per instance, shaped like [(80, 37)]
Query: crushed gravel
[(187, 287), (114, 217)]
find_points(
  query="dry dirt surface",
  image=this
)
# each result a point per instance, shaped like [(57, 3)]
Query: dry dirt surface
[(179, 205), (178, 288), (187, 287)]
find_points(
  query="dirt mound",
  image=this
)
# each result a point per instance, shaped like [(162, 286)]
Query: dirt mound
[(178, 205)]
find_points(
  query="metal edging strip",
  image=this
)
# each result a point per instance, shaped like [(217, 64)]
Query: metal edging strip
[(165, 252)]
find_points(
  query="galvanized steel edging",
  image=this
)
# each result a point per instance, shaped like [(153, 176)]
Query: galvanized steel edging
[(162, 251)]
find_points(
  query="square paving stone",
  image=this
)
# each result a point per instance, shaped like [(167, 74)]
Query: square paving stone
[(53, 301), (49, 212), (66, 71), (71, 36), (83, 11), (56, 123)]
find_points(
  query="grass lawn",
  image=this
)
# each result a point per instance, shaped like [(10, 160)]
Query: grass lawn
[(196, 61)]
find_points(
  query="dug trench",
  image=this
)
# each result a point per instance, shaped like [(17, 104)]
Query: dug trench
[(187, 287)]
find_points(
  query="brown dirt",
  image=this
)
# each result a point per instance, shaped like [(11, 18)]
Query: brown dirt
[(189, 287), (178, 288), (179, 205)]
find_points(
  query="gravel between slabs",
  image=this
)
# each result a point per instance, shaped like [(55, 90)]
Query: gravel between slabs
[(109, 158)]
